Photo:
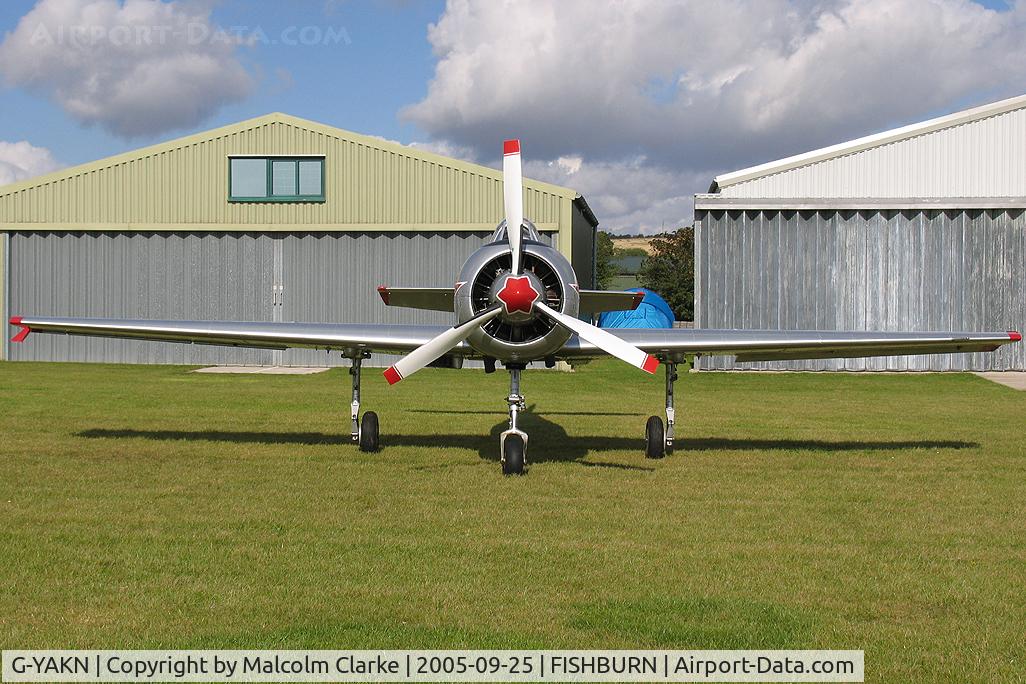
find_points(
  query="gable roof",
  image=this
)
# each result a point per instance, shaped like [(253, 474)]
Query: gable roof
[(279, 117), (869, 142), (182, 184)]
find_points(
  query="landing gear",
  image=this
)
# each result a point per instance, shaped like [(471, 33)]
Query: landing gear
[(655, 443), (513, 442), (369, 432), (363, 432), (658, 442), (514, 449)]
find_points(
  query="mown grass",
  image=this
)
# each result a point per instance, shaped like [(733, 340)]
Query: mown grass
[(152, 507)]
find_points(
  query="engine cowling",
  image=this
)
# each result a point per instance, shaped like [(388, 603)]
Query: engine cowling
[(516, 334)]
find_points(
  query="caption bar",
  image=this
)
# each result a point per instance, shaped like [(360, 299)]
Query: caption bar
[(432, 666)]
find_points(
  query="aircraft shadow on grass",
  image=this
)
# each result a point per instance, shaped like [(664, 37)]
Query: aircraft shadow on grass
[(549, 441)]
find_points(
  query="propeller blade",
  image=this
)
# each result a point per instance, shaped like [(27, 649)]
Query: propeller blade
[(426, 353), (513, 196), (607, 342)]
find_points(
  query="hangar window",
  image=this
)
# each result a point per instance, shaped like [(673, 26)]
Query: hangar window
[(276, 179)]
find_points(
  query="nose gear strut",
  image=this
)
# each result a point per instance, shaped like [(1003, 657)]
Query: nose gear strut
[(513, 442)]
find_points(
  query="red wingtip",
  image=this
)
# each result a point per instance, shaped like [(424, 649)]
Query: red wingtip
[(511, 147), (650, 365), (383, 293), (1014, 336), (392, 375), (638, 298), (23, 333)]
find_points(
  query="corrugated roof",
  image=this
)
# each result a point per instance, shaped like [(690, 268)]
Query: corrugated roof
[(278, 117), (868, 142)]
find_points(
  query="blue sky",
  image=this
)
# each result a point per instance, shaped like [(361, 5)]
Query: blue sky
[(360, 85), (637, 104)]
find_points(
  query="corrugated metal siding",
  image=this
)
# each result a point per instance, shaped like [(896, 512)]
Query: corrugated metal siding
[(225, 276), (982, 158), (327, 277), (583, 259), (188, 184), (874, 270), (4, 292), (332, 278)]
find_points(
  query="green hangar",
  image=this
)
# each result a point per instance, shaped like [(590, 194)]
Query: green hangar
[(271, 219)]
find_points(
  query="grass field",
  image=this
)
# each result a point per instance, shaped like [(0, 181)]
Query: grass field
[(153, 507)]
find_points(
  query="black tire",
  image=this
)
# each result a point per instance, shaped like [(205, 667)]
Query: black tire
[(369, 432), (513, 455), (655, 438)]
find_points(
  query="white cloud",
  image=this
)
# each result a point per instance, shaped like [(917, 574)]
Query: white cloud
[(694, 90), (139, 68), (21, 160), (628, 196)]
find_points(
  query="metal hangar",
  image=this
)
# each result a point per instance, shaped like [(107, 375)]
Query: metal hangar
[(271, 219), (916, 228)]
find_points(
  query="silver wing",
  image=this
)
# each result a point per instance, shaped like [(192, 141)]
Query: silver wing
[(666, 344), (779, 345), (346, 338)]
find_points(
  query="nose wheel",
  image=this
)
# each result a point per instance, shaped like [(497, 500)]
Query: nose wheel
[(659, 442), (513, 442), (514, 451)]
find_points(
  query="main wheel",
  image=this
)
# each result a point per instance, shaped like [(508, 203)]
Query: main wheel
[(655, 441), (513, 455), (369, 432)]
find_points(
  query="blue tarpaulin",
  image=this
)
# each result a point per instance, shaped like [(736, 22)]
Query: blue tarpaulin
[(653, 312)]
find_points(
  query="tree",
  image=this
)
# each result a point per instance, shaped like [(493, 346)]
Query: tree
[(605, 270), (670, 271)]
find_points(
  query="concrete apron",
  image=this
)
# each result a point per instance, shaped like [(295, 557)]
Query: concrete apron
[(263, 370), (1014, 379)]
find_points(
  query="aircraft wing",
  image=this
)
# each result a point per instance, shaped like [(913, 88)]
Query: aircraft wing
[(342, 337), (779, 345), (745, 345)]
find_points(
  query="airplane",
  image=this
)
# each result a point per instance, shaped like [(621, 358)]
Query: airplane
[(517, 301)]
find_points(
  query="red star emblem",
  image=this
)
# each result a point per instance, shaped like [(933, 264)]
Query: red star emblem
[(518, 295)]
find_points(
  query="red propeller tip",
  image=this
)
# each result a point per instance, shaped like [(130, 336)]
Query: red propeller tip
[(511, 147), (1014, 336), (383, 293), (15, 320), (392, 375), (650, 365)]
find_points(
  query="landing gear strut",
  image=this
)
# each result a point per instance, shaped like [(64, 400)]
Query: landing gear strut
[(363, 432), (658, 442), (513, 442)]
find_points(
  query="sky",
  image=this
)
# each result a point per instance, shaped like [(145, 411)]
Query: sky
[(637, 104)]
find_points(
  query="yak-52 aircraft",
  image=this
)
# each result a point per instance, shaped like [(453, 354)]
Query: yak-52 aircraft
[(517, 301)]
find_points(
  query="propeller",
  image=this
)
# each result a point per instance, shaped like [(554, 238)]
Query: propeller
[(432, 349), (607, 342), (513, 197), (517, 294)]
